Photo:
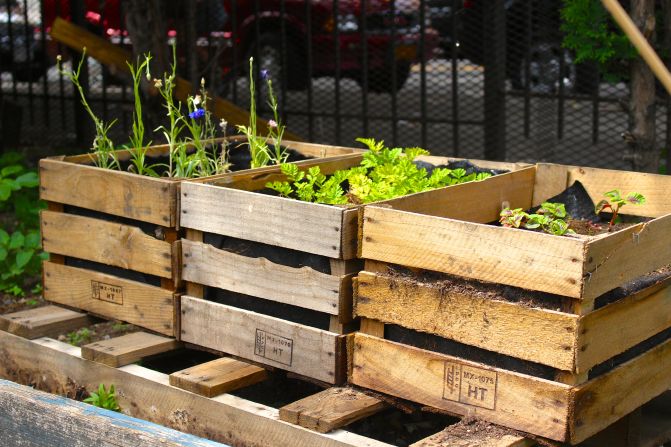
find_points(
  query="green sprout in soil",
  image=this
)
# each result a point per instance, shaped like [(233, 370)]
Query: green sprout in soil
[(614, 201), (104, 398), (550, 218), (80, 337), (383, 173)]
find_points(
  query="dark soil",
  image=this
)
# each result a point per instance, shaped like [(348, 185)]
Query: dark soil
[(470, 429), (98, 332), (10, 303)]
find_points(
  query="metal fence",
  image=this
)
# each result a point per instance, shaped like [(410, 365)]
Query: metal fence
[(467, 78)]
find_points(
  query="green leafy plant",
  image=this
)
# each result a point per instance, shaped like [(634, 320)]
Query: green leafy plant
[(79, 337), (383, 173), (614, 202), (550, 218), (104, 398)]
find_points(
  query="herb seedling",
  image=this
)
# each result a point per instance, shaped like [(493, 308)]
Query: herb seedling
[(549, 218), (614, 201), (80, 337), (104, 398)]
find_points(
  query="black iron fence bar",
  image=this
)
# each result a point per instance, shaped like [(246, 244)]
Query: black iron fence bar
[(414, 119), (364, 65), (455, 77), (595, 113), (10, 30), (285, 59), (103, 18), (336, 40), (561, 92), (527, 67), (308, 63), (422, 56), (28, 38), (61, 80), (235, 37), (46, 116), (394, 80)]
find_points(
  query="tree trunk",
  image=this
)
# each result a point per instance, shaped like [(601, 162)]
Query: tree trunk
[(642, 104)]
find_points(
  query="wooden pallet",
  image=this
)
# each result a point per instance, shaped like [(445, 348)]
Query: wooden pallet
[(112, 237), (308, 233)]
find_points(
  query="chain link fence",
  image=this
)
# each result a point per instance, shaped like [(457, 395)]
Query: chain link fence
[(466, 78)]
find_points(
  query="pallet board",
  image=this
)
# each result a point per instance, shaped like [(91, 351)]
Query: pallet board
[(46, 321), (127, 349), (433, 237)]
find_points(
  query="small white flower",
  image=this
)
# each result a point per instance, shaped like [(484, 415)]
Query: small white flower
[(202, 82), (197, 100), (59, 58), (223, 123), (272, 124), (158, 83)]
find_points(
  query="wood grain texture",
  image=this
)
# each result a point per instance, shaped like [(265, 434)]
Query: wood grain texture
[(218, 377), (290, 346), (476, 438), (35, 418), (449, 383), (438, 160), (127, 349), (110, 296), (539, 335), (288, 223), (330, 409), (607, 398), (509, 256), (147, 199), (551, 180), (462, 387), (46, 321), (303, 287), (143, 393), (625, 255), (105, 242)]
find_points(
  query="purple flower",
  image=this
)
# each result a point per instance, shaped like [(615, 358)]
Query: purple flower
[(198, 113), (265, 74)]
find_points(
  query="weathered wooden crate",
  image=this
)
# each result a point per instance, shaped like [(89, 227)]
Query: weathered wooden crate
[(231, 206), (112, 237)]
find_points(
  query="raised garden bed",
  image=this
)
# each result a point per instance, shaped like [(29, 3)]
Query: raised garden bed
[(112, 236)]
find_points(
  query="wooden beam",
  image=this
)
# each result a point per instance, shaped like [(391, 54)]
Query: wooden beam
[(115, 58), (128, 348), (36, 418), (473, 438), (43, 321), (217, 377), (330, 409)]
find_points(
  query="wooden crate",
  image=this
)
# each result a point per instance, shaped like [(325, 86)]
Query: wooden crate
[(112, 237), (231, 206)]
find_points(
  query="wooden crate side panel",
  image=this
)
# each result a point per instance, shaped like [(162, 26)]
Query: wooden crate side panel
[(105, 242), (303, 226), (534, 334), (293, 347), (320, 150), (112, 297), (465, 388), (118, 193), (510, 256), (437, 160), (474, 201), (551, 180), (617, 327), (654, 187), (604, 400), (303, 287), (625, 255)]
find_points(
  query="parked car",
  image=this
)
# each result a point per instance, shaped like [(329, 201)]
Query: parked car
[(327, 32)]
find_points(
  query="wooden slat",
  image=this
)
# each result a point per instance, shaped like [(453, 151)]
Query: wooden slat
[(626, 254), (551, 180), (288, 223), (330, 409), (46, 321), (127, 349), (539, 335), (115, 58), (119, 193), (294, 347), (607, 398), (617, 327), (112, 297), (449, 383), (105, 242), (141, 392), (35, 418), (217, 377), (473, 439), (303, 287), (510, 256), (437, 160)]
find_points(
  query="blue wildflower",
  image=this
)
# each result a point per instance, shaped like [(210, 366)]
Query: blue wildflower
[(265, 74), (198, 113)]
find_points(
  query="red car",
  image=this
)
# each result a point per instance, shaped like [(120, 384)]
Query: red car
[(332, 39)]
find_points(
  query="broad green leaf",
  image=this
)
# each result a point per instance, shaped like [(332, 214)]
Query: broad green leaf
[(28, 180), (5, 191), (16, 241), (4, 237), (3, 254), (32, 240), (23, 257), (10, 170)]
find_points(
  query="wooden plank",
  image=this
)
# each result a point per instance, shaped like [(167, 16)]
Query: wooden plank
[(607, 398), (55, 366), (473, 439), (127, 349), (372, 327), (35, 418), (217, 377), (290, 346), (331, 409), (115, 58), (551, 180), (539, 335), (438, 160), (461, 387), (112, 297), (288, 223), (350, 233), (626, 255), (109, 243), (619, 326), (510, 256), (303, 287), (119, 193), (46, 321)]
